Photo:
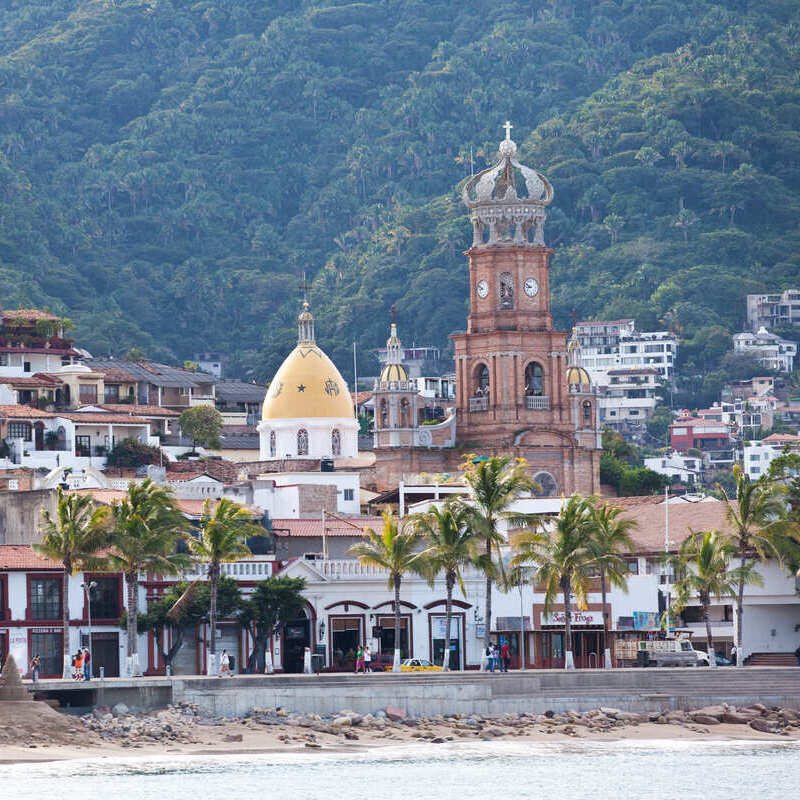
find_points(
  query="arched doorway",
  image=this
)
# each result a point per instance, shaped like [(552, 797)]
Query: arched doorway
[(295, 637), (38, 435)]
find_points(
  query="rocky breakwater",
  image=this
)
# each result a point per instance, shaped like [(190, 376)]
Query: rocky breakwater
[(184, 724)]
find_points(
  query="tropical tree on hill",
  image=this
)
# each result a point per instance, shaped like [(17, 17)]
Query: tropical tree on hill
[(397, 550), (494, 484), (147, 527), (563, 559), (450, 546), (610, 541), (760, 529), (74, 537), (221, 538), (702, 568)]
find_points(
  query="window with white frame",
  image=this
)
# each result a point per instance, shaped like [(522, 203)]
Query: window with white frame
[(19, 430)]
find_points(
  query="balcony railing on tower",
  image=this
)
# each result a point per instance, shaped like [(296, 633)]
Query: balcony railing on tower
[(537, 402), (479, 404)]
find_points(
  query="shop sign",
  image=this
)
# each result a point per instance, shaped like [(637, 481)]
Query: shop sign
[(513, 624), (480, 631), (645, 620), (439, 626), (576, 618)]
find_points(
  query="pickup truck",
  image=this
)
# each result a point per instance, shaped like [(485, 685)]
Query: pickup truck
[(662, 653)]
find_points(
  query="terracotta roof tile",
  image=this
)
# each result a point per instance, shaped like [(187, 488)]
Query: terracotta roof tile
[(105, 496), (41, 379), (142, 411), (313, 527), (22, 556), (113, 374), (23, 412), (94, 417), (26, 313)]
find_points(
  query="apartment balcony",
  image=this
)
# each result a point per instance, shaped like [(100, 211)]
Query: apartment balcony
[(479, 404), (537, 402)]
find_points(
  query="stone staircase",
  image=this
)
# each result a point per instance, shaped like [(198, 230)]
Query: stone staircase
[(773, 660)]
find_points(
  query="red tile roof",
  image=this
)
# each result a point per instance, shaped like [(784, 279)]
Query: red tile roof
[(781, 437), (112, 375), (313, 527), (40, 379), (22, 556), (95, 417), (23, 412), (26, 313), (107, 497), (142, 411)]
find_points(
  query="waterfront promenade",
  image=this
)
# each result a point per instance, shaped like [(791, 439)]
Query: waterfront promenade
[(426, 693)]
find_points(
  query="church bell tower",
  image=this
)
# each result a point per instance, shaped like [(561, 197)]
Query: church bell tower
[(511, 366)]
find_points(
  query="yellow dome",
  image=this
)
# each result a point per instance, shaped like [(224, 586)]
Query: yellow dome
[(307, 385), (577, 376), (394, 372)]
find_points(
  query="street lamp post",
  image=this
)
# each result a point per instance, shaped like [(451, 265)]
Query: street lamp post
[(87, 588)]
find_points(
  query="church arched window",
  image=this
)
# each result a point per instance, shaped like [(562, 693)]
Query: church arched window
[(302, 442), (336, 442), (405, 413), (534, 380), (549, 487), (272, 445), (482, 380), (587, 413), (384, 414), (505, 287)]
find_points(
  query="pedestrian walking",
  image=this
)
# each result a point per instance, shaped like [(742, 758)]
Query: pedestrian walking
[(505, 655), (797, 653), (224, 665), (367, 660), (490, 656), (87, 666), (360, 660), (77, 666), (35, 666)]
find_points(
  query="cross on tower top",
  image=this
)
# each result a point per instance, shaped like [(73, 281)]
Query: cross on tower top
[(304, 287), (508, 126)]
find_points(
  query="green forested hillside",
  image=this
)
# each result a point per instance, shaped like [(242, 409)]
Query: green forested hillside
[(169, 169)]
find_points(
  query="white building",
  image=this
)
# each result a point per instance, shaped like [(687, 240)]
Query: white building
[(758, 455), (678, 468), (308, 412), (628, 397), (772, 351), (616, 344), (773, 310)]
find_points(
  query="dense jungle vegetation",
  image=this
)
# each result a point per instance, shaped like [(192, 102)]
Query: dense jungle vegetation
[(169, 169)]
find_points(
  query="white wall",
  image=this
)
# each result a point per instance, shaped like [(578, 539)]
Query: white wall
[(770, 628)]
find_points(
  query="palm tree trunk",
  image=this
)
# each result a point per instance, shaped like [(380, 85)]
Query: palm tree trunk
[(448, 613), (705, 601), (396, 664), (606, 649), (67, 668), (132, 579), (487, 634), (740, 612), (213, 577), (569, 662)]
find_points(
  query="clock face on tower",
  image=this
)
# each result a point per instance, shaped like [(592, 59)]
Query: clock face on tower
[(483, 288), (531, 287)]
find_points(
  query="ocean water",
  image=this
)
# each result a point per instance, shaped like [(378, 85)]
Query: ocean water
[(663, 770)]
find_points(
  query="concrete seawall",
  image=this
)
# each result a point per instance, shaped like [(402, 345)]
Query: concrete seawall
[(423, 694)]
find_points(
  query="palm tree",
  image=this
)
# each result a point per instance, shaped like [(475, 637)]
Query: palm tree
[(759, 529), (611, 537), (395, 549), (563, 559), (451, 546), (147, 528), (701, 565), (74, 537), (222, 538), (494, 484)]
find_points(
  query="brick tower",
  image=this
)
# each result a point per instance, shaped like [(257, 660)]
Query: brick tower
[(513, 390)]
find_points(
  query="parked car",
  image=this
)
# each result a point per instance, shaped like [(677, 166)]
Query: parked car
[(382, 662), (418, 665)]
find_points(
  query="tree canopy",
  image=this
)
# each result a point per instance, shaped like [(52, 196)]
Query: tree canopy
[(168, 170)]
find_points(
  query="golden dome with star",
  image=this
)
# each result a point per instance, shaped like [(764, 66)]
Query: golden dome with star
[(576, 374), (393, 371), (307, 384)]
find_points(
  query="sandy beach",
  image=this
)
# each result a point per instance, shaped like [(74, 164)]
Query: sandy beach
[(265, 732)]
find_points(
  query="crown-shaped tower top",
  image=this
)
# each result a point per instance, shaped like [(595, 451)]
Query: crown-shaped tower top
[(508, 201)]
